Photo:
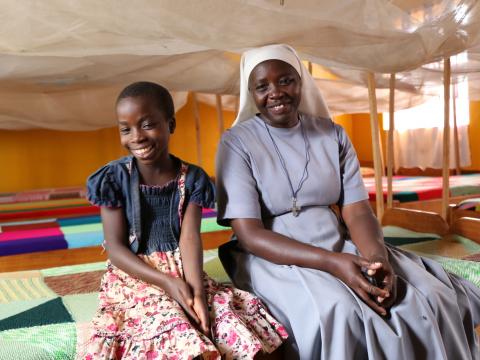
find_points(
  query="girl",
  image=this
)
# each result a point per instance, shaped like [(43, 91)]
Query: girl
[(155, 301)]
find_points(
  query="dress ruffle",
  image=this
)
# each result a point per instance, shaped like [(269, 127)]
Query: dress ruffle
[(136, 320)]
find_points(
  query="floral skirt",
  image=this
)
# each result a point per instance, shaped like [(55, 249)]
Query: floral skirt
[(136, 320)]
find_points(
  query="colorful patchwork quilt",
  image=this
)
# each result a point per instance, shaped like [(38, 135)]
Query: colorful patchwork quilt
[(408, 188), (45, 314)]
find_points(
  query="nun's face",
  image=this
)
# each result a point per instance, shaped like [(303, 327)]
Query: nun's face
[(276, 89)]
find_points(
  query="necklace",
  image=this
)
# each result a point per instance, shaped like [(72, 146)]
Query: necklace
[(295, 209)]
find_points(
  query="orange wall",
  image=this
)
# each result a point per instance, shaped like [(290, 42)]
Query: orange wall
[(362, 136), (346, 122), (474, 135), (35, 159)]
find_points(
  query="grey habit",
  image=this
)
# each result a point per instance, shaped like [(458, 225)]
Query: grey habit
[(435, 312)]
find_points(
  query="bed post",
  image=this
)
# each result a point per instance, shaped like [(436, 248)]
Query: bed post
[(196, 114), (391, 128), (446, 137), (218, 99), (455, 131), (377, 162)]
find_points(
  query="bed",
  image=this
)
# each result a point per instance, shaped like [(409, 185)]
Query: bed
[(425, 192), (59, 224), (469, 207)]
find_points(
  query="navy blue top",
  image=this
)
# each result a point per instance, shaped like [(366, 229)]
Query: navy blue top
[(154, 213)]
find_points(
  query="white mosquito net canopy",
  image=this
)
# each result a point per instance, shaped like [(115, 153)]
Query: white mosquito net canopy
[(62, 63)]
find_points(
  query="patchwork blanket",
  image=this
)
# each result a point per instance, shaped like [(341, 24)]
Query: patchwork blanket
[(45, 314)]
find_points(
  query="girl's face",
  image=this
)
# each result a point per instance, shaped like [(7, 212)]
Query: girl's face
[(276, 90), (144, 129)]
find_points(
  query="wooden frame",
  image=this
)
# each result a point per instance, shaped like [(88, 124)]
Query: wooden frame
[(467, 227), (455, 214), (416, 220)]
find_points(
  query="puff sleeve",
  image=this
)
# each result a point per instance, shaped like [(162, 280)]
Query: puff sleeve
[(202, 190), (103, 189)]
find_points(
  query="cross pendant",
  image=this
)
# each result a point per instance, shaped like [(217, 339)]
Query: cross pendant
[(295, 209)]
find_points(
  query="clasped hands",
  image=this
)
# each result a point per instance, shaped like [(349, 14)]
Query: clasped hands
[(380, 292), (194, 305)]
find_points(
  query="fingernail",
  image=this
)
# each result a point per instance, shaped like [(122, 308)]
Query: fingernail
[(370, 272), (380, 299)]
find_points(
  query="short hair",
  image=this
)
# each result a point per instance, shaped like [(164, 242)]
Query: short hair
[(154, 91)]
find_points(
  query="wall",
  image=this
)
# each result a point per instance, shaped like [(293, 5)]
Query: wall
[(35, 159), (474, 135), (362, 137)]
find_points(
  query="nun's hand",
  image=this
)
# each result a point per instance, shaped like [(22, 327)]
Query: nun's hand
[(350, 269), (386, 279)]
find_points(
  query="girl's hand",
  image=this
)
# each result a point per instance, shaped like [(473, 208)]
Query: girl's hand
[(387, 279), (348, 268), (181, 292), (201, 309)]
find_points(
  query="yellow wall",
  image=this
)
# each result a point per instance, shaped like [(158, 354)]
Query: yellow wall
[(346, 122), (35, 159), (362, 136), (474, 135)]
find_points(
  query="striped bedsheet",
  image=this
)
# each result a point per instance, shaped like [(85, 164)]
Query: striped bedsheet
[(59, 224), (408, 188)]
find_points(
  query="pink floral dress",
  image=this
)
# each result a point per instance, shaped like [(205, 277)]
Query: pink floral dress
[(137, 320)]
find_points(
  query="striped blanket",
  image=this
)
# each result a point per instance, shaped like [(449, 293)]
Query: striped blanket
[(59, 224), (408, 188)]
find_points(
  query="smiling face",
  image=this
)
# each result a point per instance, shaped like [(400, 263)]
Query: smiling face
[(276, 90), (144, 129)]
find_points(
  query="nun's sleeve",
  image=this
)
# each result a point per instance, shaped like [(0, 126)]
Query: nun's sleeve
[(353, 189), (237, 194)]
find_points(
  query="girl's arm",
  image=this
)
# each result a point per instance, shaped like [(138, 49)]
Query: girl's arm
[(192, 257), (283, 250), (116, 240), (366, 234)]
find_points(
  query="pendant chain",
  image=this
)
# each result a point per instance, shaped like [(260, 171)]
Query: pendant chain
[(295, 209)]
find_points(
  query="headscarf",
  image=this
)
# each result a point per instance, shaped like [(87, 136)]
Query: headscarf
[(311, 102)]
